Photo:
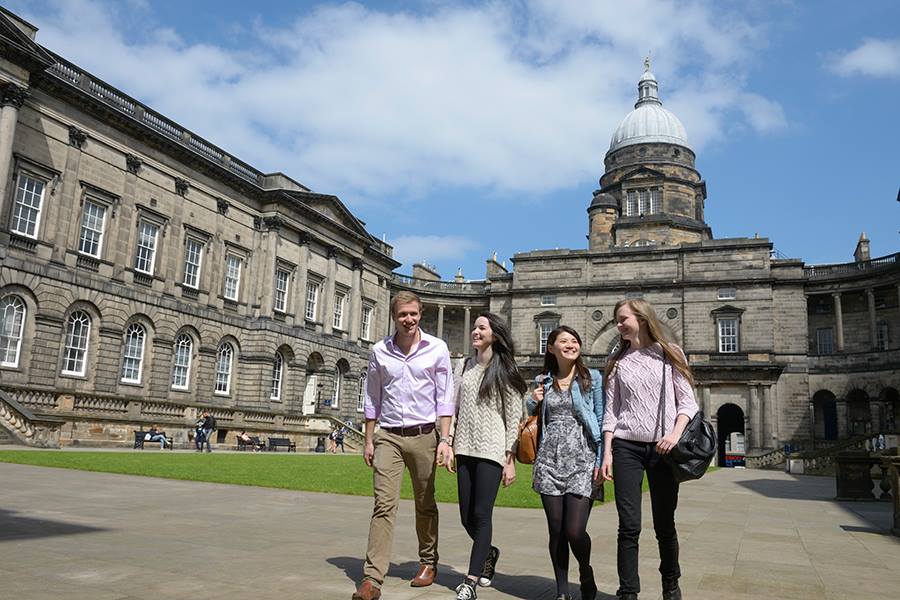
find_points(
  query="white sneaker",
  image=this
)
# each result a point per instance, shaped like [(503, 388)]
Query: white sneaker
[(466, 591), (490, 566)]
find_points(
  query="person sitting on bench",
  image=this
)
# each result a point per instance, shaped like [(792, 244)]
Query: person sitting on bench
[(155, 435)]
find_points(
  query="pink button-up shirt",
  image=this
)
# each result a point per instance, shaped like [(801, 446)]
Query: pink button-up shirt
[(402, 391)]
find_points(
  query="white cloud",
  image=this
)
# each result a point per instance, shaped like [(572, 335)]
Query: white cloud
[(367, 104), (410, 249), (873, 58)]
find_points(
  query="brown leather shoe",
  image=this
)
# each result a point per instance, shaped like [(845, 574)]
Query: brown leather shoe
[(367, 591), (424, 577)]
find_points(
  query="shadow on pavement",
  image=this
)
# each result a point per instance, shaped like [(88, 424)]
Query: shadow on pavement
[(17, 527), (799, 487), (526, 587)]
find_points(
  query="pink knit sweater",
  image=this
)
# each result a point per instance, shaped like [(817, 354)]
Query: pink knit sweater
[(632, 396)]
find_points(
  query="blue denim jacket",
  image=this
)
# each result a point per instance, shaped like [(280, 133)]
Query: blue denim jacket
[(588, 409)]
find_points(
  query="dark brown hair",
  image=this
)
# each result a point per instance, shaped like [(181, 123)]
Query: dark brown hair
[(502, 372)]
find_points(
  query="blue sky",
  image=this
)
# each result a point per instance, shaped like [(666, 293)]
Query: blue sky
[(460, 129)]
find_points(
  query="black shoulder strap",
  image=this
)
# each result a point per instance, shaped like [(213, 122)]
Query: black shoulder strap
[(662, 399)]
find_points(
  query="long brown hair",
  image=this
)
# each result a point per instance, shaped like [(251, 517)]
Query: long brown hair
[(501, 373), (552, 366), (645, 313)]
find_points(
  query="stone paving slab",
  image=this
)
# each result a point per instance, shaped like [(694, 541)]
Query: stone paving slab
[(744, 534)]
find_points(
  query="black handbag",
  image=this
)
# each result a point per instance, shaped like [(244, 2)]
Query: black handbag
[(696, 447)]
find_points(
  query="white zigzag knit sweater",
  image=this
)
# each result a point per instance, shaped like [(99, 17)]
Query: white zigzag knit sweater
[(632, 396), (485, 428)]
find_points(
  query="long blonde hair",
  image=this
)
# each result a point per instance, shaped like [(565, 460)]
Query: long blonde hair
[(645, 313)]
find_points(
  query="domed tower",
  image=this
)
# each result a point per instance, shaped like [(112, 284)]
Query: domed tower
[(650, 194)]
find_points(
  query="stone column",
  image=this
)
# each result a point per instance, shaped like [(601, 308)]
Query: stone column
[(769, 420), (63, 211), (756, 420), (440, 321), (302, 278), (356, 299), (812, 423), (467, 325), (842, 416), (839, 322), (873, 333), (876, 413), (328, 300), (11, 98), (705, 402)]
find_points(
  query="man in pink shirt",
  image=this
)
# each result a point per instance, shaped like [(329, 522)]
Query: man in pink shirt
[(409, 387)]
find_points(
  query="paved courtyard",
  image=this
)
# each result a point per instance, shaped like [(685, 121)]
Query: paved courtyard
[(745, 534)]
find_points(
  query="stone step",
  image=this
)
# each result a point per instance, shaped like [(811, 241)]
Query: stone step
[(6, 438)]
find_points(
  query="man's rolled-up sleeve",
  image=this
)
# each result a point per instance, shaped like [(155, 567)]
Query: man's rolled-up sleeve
[(445, 403), (372, 400)]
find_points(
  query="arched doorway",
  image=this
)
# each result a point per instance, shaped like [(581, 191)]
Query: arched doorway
[(825, 415), (891, 399), (858, 412), (730, 426), (314, 364)]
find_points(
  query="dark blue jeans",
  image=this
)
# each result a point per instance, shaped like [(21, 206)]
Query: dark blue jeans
[(630, 461)]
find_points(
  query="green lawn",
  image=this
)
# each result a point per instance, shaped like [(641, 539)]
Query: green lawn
[(341, 474)]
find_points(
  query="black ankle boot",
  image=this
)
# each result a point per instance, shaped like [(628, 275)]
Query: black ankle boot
[(670, 589), (626, 596), (588, 585)]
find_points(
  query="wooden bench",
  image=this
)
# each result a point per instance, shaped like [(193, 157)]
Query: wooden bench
[(275, 443), (140, 435), (254, 444)]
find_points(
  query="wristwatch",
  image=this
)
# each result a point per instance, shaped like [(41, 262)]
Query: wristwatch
[(444, 440)]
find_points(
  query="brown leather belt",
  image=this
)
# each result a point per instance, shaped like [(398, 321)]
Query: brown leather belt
[(412, 430)]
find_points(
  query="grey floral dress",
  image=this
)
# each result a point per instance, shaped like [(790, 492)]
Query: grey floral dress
[(565, 458)]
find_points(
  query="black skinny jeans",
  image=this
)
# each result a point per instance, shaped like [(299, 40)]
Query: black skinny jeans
[(630, 460), (477, 481)]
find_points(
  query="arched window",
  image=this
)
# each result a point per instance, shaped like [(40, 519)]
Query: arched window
[(181, 367), (277, 372), (78, 331), (336, 388), (223, 368), (12, 322), (133, 360)]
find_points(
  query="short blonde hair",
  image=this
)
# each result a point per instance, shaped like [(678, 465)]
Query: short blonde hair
[(404, 297)]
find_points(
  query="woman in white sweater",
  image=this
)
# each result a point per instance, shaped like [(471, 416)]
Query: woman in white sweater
[(489, 409)]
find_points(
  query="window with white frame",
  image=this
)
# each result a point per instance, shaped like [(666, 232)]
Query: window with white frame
[(78, 331), (365, 328), (825, 340), (277, 376), (336, 389), (548, 300), (339, 299), (728, 334), (193, 257), (282, 277), (646, 201), (181, 366), (544, 330), (361, 394), (146, 247), (882, 335), (133, 359), (631, 203), (93, 224), (312, 299), (655, 202), (232, 277), (224, 357), (12, 313), (643, 243), (26, 213), (726, 293)]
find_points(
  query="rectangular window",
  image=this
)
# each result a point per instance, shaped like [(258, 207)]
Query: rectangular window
[(655, 201), (548, 300), (339, 299), (645, 202), (726, 294), (232, 277), (146, 247), (545, 329), (281, 289), (366, 323), (631, 203), (728, 335), (361, 395), (192, 256), (92, 225), (26, 214), (881, 336), (312, 300), (825, 340)]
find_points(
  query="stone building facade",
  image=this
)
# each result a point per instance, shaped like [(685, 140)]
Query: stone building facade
[(147, 275)]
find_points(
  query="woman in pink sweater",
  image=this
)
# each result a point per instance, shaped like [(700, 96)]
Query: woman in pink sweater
[(646, 370)]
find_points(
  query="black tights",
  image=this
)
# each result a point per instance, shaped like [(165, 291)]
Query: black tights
[(477, 481), (567, 518)]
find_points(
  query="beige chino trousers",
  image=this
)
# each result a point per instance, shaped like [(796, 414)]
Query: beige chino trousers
[(393, 453)]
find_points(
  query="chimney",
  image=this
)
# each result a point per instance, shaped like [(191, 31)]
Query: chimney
[(459, 278), (862, 249), (425, 271), (494, 267)]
